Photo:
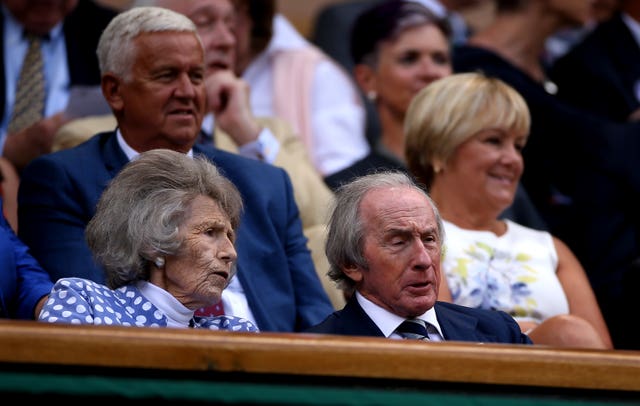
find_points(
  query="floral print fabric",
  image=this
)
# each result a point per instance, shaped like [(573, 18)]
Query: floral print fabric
[(515, 272)]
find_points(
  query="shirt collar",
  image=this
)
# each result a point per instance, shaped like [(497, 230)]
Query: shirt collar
[(14, 31), (132, 153), (178, 315), (387, 322)]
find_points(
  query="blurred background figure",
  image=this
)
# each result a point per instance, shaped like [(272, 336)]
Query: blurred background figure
[(66, 33), (57, 39), (158, 272), (465, 135), (398, 47), (601, 74), (583, 171), (294, 80), (335, 22), (561, 42)]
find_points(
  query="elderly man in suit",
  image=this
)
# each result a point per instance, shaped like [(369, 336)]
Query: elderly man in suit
[(384, 245), (153, 77)]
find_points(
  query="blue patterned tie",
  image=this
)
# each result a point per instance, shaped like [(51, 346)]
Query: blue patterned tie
[(29, 105), (413, 329)]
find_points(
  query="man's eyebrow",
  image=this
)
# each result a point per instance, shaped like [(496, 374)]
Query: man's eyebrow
[(395, 230)]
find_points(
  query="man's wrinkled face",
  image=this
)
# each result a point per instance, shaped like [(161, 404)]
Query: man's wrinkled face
[(402, 250), (163, 101)]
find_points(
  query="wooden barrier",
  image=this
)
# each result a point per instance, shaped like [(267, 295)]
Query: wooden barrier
[(39, 359)]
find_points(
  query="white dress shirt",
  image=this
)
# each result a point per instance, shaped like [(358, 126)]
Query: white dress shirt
[(388, 322)]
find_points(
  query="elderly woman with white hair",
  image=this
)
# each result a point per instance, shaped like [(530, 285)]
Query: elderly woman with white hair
[(164, 231)]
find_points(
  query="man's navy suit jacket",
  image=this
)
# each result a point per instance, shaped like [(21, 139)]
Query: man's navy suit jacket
[(58, 196), (82, 29), (458, 323)]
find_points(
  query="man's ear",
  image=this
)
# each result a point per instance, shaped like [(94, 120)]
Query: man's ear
[(110, 85), (353, 272)]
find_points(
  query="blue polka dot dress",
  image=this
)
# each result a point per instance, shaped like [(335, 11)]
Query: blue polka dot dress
[(82, 301)]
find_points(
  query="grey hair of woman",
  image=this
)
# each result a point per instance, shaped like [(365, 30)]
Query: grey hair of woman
[(140, 212), (116, 48), (346, 230)]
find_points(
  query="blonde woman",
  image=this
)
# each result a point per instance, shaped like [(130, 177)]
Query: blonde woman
[(464, 139)]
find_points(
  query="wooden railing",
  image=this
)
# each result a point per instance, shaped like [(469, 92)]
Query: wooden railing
[(49, 350)]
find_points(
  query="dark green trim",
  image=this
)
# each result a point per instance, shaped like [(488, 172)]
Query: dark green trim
[(83, 386)]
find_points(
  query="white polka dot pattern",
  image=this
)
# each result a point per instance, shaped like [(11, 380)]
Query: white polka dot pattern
[(82, 301)]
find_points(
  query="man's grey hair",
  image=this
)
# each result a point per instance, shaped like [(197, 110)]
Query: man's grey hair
[(116, 50), (346, 231)]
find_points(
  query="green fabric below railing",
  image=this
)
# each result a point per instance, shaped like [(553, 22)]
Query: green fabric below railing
[(79, 386)]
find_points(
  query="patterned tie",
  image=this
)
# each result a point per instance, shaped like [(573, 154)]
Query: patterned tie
[(29, 105), (413, 329), (213, 310)]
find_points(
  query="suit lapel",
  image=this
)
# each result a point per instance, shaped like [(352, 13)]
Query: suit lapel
[(354, 321), (113, 156)]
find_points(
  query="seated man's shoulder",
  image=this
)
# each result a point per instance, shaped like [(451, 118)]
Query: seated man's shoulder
[(482, 315), (233, 164), (80, 130), (79, 158)]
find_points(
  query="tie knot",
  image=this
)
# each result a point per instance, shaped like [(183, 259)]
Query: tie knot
[(33, 36), (413, 329)]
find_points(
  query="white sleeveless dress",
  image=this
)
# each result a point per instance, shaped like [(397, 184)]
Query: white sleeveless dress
[(515, 272)]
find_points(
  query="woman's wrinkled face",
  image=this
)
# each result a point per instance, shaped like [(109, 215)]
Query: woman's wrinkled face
[(201, 270), (416, 58)]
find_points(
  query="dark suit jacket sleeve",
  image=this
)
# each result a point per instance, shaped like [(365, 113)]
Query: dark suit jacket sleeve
[(53, 211)]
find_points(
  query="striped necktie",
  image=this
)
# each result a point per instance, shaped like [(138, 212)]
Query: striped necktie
[(29, 104), (413, 329)]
